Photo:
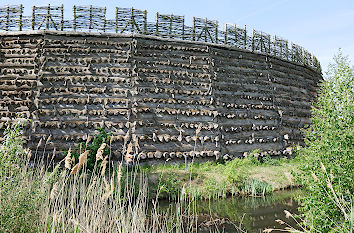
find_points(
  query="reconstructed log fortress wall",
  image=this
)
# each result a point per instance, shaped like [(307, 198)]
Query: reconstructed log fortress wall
[(159, 90)]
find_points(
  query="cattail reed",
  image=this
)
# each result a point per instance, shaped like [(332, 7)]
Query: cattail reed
[(39, 143), (88, 140), (68, 160), (83, 158), (100, 151), (103, 165)]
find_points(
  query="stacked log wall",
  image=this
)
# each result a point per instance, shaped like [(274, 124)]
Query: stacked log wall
[(168, 98)]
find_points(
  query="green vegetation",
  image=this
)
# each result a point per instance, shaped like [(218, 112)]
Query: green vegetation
[(99, 142), (44, 198), (20, 193), (77, 195), (210, 180), (328, 160)]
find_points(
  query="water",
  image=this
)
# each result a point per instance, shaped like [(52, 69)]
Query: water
[(245, 214)]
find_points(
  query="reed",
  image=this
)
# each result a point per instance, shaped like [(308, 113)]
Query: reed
[(63, 199)]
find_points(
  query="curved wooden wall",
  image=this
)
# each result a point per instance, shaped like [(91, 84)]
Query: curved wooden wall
[(168, 98)]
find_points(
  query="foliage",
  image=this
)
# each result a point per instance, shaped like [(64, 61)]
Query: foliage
[(20, 199), (255, 187), (328, 159), (169, 187), (39, 199), (212, 180), (93, 146)]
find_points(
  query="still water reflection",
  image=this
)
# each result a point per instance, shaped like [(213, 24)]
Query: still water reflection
[(245, 214)]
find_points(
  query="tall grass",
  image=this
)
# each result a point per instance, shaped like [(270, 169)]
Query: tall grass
[(68, 197)]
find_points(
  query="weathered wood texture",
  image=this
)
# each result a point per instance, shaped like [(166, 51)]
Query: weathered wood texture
[(159, 90), (130, 20)]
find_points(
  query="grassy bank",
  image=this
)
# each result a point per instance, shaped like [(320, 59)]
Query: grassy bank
[(247, 176)]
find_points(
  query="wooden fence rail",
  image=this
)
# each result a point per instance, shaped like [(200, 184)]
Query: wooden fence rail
[(130, 20)]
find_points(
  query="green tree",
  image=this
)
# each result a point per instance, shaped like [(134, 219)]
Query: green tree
[(329, 156)]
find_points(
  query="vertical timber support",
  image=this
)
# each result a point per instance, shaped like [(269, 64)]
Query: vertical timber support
[(62, 18), (33, 17), (157, 24), (74, 20), (20, 21)]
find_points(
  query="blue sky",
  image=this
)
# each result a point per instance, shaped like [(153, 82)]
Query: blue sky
[(321, 27)]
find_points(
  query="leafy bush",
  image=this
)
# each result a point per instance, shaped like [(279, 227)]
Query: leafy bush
[(328, 159), (93, 146), (21, 191)]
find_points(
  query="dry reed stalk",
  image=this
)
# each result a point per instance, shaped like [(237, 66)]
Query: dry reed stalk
[(100, 151), (54, 153), (103, 165), (323, 167), (83, 158), (54, 191), (287, 214), (88, 140), (119, 174), (136, 145), (315, 178), (109, 189), (126, 137), (82, 161), (39, 143), (48, 139), (128, 156), (75, 169), (68, 159), (29, 154), (93, 183)]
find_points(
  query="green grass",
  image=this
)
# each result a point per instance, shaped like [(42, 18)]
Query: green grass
[(209, 180)]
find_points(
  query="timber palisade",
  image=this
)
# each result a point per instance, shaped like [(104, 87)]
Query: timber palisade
[(167, 97)]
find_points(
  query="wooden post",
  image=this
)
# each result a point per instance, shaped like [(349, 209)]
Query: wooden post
[(74, 20), (235, 28), (91, 16), (157, 24), (183, 28), (205, 27), (275, 46), (216, 32), (171, 26), (145, 22), (252, 40), (33, 17), (62, 18), (269, 44), (225, 39), (262, 43), (245, 37), (7, 23), (281, 48), (104, 19), (287, 50), (132, 20), (20, 22), (193, 36), (47, 17), (291, 51), (116, 20)]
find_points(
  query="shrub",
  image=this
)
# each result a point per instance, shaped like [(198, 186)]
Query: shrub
[(329, 156), (93, 146), (21, 191)]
